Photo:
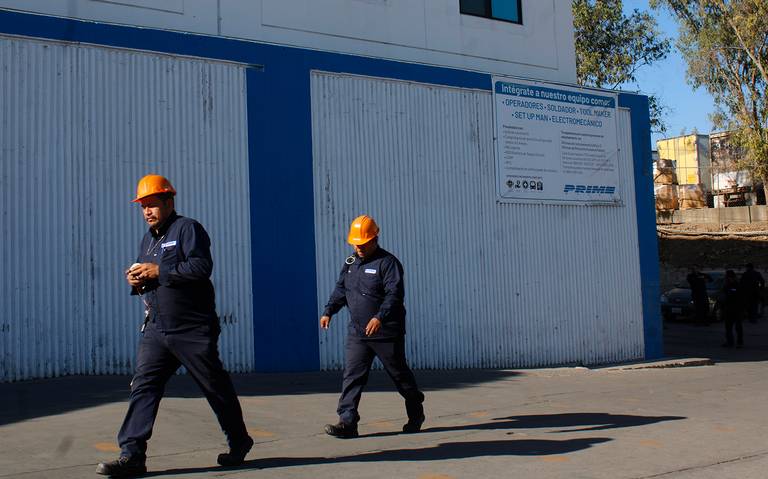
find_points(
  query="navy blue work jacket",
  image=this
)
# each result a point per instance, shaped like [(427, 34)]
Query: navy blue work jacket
[(182, 297), (371, 287)]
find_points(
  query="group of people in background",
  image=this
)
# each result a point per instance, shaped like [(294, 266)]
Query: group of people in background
[(738, 297)]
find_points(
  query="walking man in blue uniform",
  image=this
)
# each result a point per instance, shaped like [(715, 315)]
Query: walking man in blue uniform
[(371, 286), (172, 277)]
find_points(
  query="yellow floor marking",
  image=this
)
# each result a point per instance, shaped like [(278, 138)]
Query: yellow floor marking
[(479, 414), (725, 429), (260, 433), (651, 443), (106, 447), (435, 476), (555, 459), (387, 424)]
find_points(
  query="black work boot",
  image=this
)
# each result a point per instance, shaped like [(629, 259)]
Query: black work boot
[(342, 430), (124, 466), (236, 455), (413, 425)]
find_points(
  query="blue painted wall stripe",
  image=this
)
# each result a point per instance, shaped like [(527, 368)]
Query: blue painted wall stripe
[(282, 265), (646, 223), (282, 215), (280, 163)]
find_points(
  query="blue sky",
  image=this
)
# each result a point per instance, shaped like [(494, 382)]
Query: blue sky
[(688, 109)]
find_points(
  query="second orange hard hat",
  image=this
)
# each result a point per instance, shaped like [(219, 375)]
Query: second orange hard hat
[(362, 230), (153, 185)]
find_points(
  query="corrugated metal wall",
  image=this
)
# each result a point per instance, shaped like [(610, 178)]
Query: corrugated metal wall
[(78, 126), (488, 284)]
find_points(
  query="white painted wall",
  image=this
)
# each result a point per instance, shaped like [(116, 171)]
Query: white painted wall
[(488, 284), (82, 124), (424, 31)]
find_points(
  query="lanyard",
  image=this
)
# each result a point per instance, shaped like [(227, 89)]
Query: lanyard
[(154, 244)]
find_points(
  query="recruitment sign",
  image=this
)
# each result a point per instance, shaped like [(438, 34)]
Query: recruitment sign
[(555, 144)]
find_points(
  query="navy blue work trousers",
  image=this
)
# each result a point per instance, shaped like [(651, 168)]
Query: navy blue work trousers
[(359, 355), (159, 356), (731, 320)]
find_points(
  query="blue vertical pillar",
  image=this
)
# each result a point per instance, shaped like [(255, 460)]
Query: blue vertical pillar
[(646, 222), (285, 321)]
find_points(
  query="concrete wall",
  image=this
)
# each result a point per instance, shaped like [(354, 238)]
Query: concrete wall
[(739, 214), (423, 31)]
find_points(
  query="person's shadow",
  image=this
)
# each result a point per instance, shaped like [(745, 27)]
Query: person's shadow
[(465, 449), (443, 451), (587, 421)]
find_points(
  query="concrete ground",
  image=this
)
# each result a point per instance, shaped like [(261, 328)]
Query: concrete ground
[(610, 422)]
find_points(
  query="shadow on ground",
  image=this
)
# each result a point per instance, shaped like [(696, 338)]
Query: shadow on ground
[(441, 452), (576, 422), (571, 422), (688, 340), (30, 399)]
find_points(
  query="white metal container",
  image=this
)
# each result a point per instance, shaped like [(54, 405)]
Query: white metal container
[(80, 125)]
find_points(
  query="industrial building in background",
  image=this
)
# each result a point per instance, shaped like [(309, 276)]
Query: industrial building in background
[(687, 158), (732, 185), (702, 171), (521, 204)]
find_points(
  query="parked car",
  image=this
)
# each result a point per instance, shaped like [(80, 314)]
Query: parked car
[(677, 303)]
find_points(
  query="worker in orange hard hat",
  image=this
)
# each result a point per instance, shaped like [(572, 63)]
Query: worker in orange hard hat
[(181, 328), (371, 286)]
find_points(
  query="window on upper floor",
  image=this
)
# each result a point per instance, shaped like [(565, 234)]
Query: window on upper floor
[(506, 10)]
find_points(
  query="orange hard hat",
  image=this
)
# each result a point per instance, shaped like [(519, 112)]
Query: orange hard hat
[(362, 230), (153, 185)]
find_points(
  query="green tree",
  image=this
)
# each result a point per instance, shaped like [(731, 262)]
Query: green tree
[(611, 47), (725, 45)]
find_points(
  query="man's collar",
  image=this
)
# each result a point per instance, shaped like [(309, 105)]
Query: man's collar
[(372, 256), (166, 224)]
